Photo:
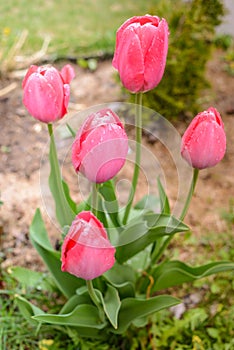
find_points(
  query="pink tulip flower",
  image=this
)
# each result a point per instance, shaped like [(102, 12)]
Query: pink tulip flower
[(204, 142), (141, 51), (47, 92), (100, 147), (86, 251)]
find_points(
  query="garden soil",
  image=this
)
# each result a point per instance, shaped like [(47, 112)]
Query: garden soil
[(23, 138)]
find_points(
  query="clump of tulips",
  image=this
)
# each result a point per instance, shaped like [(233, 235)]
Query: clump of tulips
[(103, 245)]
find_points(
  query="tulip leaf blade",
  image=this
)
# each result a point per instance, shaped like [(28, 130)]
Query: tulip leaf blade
[(138, 235), (70, 201), (172, 273), (164, 201), (65, 282), (75, 300), (64, 213), (28, 310), (148, 202), (32, 279), (123, 278), (112, 305), (132, 309), (83, 315), (107, 191)]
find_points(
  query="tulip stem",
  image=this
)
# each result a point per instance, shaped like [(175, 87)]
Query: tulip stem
[(94, 200), (94, 298), (166, 242), (190, 193), (138, 137)]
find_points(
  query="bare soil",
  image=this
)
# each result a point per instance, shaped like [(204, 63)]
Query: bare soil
[(23, 139)]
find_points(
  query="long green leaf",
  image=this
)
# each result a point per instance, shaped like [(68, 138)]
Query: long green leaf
[(111, 304), (107, 191), (74, 301), (123, 278), (66, 283), (82, 316), (140, 234), (132, 309), (164, 202), (27, 309), (64, 212), (148, 202), (32, 279), (174, 273)]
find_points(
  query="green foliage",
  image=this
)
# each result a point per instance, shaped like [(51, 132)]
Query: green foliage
[(192, 31)]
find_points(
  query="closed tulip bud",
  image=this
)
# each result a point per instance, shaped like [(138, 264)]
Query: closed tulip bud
[(204, 142), (141, 51), (100, 147), (46, 92), (86, 251)]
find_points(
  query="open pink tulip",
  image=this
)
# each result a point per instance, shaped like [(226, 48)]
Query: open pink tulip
[(141, 51), (47, 92), (86, 251), (100, 147), (204, 142)]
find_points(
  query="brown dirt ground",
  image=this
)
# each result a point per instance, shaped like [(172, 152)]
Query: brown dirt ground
[(23, 138)]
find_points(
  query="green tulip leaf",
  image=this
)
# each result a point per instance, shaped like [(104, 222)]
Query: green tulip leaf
[(65, 282), (32, 279), (107, 190), (132, 309), (70, 201), (148, 202), (174, 273), (75, 300), (138, 235), (64, 212), (82, 316), (164, 202), (28, 310), (111, 305), (123, 278)]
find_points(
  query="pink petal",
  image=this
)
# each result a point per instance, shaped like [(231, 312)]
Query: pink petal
[(31, 70), (40, 98), (67, 73)]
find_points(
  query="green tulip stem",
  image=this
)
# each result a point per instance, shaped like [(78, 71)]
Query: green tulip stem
[(138, 128), (190, 193), (166, 242), (94, 199), (64, 213), (94, 298)]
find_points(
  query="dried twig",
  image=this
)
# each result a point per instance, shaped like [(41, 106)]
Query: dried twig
[(6, 90)]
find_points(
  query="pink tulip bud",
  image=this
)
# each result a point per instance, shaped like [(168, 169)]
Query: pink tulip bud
[(86, 251), (141, 51), (47, 92), (204, 141), (100, 147)]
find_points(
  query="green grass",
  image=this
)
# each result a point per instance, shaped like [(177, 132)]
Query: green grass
[(75, 27)]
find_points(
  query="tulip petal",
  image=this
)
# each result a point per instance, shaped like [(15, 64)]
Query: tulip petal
[(86, 251), (204, 142), (131, 60), (67, 73), (140, 53), (40, 98), (31, 70)]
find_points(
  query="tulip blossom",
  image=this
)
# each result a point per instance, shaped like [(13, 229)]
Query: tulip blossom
[(47, 92), (204, 141), (86, 251), (100, 147), (141, 51)]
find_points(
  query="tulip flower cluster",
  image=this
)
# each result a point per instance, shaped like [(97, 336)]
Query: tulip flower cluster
[(125, 281)]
